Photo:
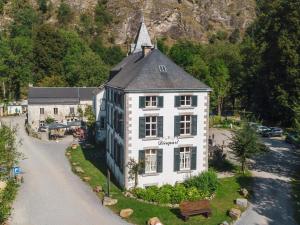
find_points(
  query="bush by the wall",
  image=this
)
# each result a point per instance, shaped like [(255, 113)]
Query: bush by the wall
[(6, 199), (207, 182), (195, 188)]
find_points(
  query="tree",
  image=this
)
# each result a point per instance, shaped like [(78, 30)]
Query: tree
[(244, 144), (276, 34), (9, 154), (49, 120), (219, 82), (64, 14), (52, 81), (90, 116), (134, 168), (43, 6)]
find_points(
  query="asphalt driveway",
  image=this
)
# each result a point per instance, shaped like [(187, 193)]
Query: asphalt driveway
[(272, 202), (51, 194)]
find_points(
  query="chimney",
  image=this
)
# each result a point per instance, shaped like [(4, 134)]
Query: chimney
[(146, 50)]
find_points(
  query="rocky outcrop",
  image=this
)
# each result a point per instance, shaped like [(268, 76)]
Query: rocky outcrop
[(192, 19)]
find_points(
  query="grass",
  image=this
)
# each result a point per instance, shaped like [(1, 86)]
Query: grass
[(7, 197), (93, 163)]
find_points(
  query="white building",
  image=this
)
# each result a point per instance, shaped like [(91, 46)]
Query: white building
[(63, 104), (156, 113)]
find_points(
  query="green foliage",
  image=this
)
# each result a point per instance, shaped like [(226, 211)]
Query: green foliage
[(6, 200), (49, 120), (64, 14), (102, 16), (2, 4), (52, 81), (9, 154), (195, 188), (90, 116), (43, 5), (274, 71), (207, 182), (245, 143)]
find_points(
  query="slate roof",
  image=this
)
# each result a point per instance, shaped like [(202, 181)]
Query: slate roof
[(138, 73), (142, 38), (60, 95)]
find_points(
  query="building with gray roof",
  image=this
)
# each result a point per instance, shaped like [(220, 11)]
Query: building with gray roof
[(155, 113)]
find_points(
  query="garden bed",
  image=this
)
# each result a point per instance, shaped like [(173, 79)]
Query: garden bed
[(92, 162)]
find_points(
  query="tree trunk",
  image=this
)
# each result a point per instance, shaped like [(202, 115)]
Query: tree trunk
[(136, 179), (220, 103)]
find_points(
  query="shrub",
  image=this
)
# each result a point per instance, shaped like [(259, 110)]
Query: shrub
[(207, 182), (178, 194), (164, 194), (6, 199)]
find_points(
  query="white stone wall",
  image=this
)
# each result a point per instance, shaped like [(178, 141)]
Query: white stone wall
[(12, 109), (34, 115), (134, 144)]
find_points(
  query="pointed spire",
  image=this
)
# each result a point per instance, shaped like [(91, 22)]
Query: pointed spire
[(142, 38)]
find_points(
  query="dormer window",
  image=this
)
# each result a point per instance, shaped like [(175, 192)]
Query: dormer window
[(162, 68)]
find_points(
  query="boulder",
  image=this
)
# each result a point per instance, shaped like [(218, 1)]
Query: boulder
[(244, 192), (3, 185), (109, 201), (224, 223), (98, 189), (68, 154), (125, 213), (86, 179), (74, 146), (78, 169), (74, 164), (128, 194), (154, 221), (235, 213), (242, 202)]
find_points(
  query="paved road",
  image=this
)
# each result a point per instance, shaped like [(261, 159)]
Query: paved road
[(272, 202), (51, 193)]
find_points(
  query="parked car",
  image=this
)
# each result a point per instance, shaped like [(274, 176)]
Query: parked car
[(261, 129), (273, 132)]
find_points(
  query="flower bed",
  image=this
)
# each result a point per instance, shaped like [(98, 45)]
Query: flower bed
[(198, 187)]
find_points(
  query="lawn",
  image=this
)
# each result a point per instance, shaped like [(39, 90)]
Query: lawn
[(93, 163)]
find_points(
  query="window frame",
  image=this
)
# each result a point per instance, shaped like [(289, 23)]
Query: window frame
[(185, 158), (72, 110), (55, 111), (184, 99), (42, 111), (185, 124), (151, 123), (150, 161), (153, 102), (41, 123)]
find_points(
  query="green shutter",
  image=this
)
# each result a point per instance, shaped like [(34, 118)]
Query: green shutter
[(177, 101), (142, 161), (194, 158), (194, 125), (177, 126), (160, 101), (142, 102), (159, 161), (194, 100), (160, 126), (142, 127), (176, 159)]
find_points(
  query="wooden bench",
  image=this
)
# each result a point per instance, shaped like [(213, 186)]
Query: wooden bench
[(188, 208)]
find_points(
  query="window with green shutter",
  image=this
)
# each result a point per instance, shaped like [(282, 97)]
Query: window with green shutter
[(142, 161), (159, 161), (141, 127), (160, 101), (176, 159), (160, 126), (177, 101), (194, 158), (176, 126), (142, 102), (194, 100), (194, 125)]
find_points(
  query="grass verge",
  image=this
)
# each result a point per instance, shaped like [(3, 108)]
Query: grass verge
[(7, 197), (93, 163)]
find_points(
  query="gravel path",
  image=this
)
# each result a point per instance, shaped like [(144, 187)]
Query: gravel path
[(51, 194), (272, 202)]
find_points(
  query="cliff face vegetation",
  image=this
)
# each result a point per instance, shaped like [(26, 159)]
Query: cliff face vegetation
[(198, 20)]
